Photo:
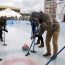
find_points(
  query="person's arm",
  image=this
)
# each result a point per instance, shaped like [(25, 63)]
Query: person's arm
[(41, 30), (47, 23)]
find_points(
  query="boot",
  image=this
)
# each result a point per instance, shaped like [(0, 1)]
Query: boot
[(42, 43), (0, 59), (47, 54)]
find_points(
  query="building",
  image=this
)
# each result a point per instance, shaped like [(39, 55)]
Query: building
[(25, 16), (13, 8), (50, 6), (60, 11), (56, 8)]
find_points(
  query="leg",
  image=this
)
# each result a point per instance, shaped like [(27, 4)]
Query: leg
[(42, 42), (55, 41), (40, 38), (48, 39), (38, 41), (1, 35)]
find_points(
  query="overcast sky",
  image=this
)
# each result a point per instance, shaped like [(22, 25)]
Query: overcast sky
[(25, 5)]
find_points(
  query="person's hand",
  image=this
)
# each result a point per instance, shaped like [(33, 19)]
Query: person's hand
[(32, 36), (35, 35), (6, 30)]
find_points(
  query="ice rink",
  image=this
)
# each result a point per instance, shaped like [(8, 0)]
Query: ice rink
[(19, 33)]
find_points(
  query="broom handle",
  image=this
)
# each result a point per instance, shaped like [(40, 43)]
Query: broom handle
[(55, 55)]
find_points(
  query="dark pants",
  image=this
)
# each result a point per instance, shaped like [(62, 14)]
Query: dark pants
[(40, 39), (0, 34), (34, 31)]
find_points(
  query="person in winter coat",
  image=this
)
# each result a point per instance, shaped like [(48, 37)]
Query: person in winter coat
[(2, 26), (35, 24), (49, 23)]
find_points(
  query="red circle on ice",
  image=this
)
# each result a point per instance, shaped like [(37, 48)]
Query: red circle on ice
[(19, 60)]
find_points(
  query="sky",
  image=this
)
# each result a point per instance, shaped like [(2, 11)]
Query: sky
[(24, 5)]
